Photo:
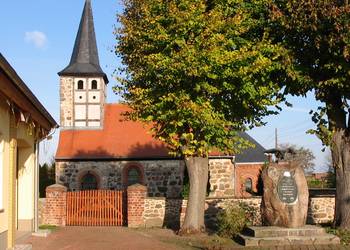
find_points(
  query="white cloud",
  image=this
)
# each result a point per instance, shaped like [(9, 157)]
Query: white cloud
[(38, 38)]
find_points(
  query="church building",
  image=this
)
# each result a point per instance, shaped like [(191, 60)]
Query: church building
[(99, 149)]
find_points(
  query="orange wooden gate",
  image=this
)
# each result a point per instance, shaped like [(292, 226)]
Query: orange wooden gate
[(95, 208)]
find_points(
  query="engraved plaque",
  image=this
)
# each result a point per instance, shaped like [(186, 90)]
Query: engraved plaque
[(287, 189)]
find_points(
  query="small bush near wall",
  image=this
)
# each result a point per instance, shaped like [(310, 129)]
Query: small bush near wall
[(233, 220), (344, 235)]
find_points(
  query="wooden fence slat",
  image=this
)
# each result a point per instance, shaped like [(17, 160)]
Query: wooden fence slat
[(89, 210), (93, 206), (68, 209), (103, 207), (109, 208), (83, 209), (120, 208)]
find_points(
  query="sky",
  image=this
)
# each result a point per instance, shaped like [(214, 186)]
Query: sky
[(37, 39)]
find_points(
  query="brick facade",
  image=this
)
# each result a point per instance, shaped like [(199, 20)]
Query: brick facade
[(55, 205), (244, 172), (136, 205)]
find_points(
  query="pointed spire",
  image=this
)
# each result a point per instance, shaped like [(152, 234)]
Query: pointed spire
[(85, 61)]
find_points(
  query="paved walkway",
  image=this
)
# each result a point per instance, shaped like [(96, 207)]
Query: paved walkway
[(115, 238)]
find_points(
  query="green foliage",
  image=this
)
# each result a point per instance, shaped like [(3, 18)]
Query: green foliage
[(233, 219), (199, 71), (315, 183), (46, 177), (328, 182), (344, 235), (49, 227), (317, 36)]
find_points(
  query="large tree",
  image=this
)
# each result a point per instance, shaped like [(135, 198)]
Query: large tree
[(317, 35), (198, 71)]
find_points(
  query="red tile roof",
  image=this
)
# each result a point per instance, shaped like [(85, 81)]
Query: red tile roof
[(118, 139)]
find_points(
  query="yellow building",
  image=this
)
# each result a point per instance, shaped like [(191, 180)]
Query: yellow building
[(24, 122)]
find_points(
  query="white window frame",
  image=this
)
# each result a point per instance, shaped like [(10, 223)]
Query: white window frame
[(1, 175)]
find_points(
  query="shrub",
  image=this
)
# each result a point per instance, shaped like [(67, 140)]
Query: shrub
[(343, 234), (232, 220)]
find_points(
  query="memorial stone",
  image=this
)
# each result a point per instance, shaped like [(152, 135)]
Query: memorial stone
[(285, 197)]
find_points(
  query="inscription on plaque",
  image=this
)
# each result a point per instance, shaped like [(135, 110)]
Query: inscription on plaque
[(287, 189)]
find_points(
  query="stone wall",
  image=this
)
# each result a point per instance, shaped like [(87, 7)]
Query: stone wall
[(66, 101), (221, 177), (162, 212), (321, 210), (163, 178)]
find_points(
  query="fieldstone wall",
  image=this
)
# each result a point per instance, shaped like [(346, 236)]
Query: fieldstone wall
[(162, 212), (221, 177), (66, 101), (163, 178), (321, 210)]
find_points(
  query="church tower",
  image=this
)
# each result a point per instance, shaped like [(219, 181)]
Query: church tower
[(82, 82)]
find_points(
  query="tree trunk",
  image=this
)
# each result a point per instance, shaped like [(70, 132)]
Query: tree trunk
[(197, 168), (341, 162)]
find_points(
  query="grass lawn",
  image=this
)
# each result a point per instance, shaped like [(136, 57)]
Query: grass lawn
[(49, 227)]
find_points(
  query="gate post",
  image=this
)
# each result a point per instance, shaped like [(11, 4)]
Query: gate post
[(136, 204), (55, 205)]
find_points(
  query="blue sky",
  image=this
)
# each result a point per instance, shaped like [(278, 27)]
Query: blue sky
[(37, 39)]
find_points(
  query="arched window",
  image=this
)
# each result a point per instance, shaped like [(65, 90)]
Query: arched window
[(248, 184), (133, 176), (89, 182), (94, 84), (80, 84)]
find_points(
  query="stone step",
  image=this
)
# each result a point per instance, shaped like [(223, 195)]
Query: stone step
[(326, 239), (272, 231)]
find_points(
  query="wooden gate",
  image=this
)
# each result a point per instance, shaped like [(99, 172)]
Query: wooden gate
[(95, 208)]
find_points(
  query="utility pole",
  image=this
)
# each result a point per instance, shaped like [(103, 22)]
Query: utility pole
[(276, 140)]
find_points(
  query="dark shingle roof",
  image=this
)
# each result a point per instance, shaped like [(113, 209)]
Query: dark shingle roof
[(255, 154), (85, 61)]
